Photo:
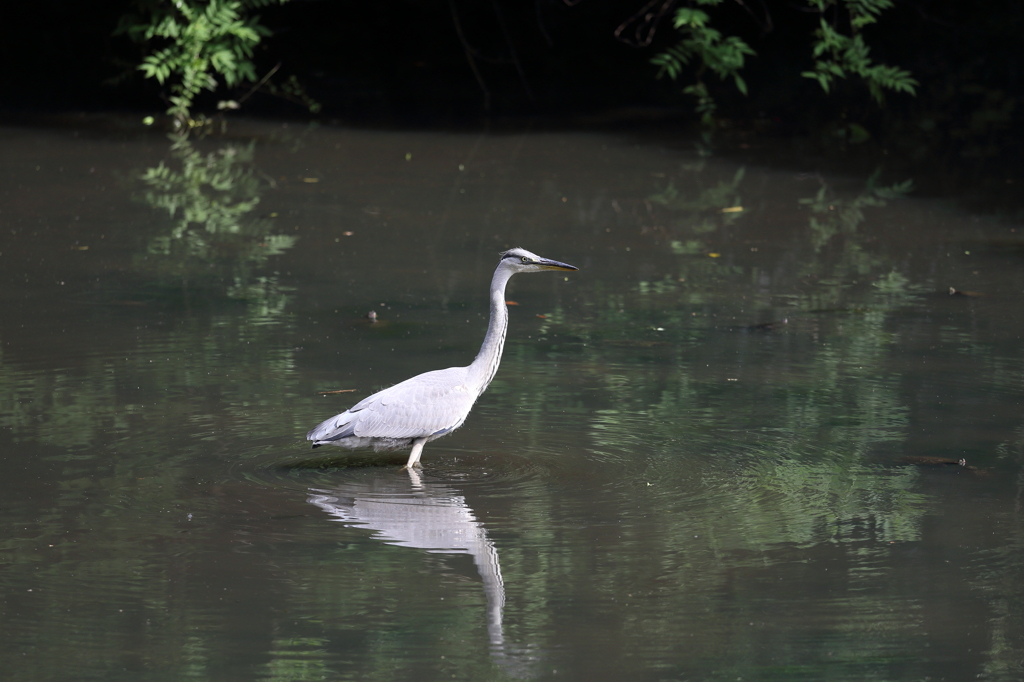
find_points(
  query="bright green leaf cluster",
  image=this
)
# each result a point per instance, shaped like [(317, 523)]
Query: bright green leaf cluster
[(709, 49), (203, 38), (837, 54)]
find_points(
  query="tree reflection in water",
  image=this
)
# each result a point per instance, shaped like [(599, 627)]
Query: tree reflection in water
[(215, 239)]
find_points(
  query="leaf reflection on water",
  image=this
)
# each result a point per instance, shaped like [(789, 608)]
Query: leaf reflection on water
[(834, 215), (214, 241)]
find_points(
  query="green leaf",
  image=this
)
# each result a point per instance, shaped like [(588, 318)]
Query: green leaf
[(693, 18), (741, 85)]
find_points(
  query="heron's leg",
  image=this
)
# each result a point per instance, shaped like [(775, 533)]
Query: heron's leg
[(414, 456)]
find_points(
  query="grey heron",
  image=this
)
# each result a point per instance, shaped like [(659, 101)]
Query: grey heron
[(433, 404)]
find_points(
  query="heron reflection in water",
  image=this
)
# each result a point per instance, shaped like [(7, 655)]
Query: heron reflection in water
[(430, 517), (430, 405)]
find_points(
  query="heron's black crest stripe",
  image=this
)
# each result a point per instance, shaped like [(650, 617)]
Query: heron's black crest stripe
[(509, 254)]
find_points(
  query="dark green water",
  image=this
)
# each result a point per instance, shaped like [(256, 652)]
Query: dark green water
[(724, 449)]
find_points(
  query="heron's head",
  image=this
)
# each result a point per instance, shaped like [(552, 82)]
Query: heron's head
[(521, 260)]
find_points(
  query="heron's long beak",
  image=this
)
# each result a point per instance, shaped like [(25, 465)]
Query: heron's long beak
[(548, 264)]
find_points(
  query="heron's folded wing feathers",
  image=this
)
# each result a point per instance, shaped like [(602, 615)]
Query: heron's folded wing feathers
[(337, 427), (418, 407), (425, 405)]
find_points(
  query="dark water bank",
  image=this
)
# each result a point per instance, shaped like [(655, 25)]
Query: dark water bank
[(728, 447)]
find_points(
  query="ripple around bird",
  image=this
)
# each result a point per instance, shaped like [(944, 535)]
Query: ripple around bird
[(497, 473)]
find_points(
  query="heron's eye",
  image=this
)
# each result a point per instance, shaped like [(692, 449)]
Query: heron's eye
[(526, 259)]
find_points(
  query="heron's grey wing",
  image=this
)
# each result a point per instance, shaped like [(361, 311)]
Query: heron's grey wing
[(429, 404), (425, 405)]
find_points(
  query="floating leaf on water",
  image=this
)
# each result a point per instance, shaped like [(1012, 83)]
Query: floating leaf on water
[(920, 460)]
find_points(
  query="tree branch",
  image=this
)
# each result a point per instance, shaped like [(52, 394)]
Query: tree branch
[(469, 56)]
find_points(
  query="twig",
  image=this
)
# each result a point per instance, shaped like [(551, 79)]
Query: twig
[(260, 84), (650, 22), (342, 390), (469, 56), (765, 24), (541, 26), (512, 49)]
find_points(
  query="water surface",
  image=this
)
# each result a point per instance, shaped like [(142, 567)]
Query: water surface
[(728, 447)]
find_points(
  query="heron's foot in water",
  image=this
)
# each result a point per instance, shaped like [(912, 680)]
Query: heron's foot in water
[(414, 465)]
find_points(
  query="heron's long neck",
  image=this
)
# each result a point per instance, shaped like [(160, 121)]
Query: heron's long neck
[(484, 367)]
